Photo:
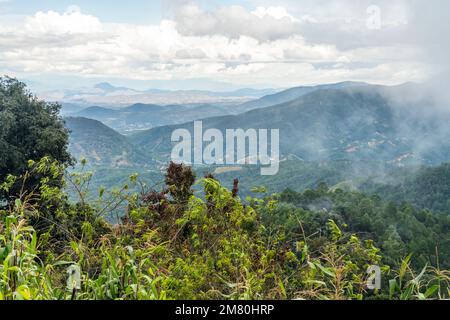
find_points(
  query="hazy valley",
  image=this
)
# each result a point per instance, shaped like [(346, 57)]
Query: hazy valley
[(348, 135)]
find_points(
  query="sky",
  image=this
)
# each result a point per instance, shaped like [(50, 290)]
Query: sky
[(220, 45)]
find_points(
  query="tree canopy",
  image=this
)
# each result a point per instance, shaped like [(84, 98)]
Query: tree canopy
[(30, 129)]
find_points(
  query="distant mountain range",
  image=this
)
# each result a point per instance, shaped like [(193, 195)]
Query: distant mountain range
[(142, 116), (346, 121), (361, 122), (105, 94), (292, 94), (145, 116)]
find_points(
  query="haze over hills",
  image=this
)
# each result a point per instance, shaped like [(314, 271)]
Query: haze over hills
[(292, 94), (350, 121), (357, 137), (108, 95), (225, 150), (359, 123), (145, 116), (339, 135), (141, 116)]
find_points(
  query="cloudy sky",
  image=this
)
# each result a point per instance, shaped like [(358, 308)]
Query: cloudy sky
[(223, 44)]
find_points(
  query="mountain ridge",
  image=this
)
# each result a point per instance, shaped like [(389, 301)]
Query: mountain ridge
[(352, 122), (101, 145)]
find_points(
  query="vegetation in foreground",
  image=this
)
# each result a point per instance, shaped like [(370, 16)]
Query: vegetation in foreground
[(172, 244)]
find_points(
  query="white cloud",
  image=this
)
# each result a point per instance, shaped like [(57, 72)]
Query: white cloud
[(70, 22), (274, 12), (235, 21), (282, 46)]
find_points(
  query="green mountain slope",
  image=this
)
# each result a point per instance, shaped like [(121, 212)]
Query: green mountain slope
[(101, 145), (358, 123), (425, 187), (289, 95)]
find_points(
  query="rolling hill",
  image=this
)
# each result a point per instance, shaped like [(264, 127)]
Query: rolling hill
[(145, 116), (289, 95), (352, 123), (142, 116), (102, 146), (340, 136)]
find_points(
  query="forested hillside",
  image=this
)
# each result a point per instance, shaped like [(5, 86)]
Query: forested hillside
[(101, 145), (425, 187), (362, 123), (397, 230)]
